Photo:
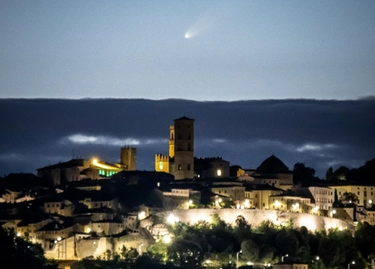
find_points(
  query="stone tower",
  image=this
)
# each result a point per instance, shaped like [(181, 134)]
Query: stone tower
[(180, 161), (128, 158), (181, 147)]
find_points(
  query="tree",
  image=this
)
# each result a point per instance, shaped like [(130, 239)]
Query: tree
[(302, 174), (341, 173), (128, 254), (217, 222), (242, 228), (329, 174), (287, 242), (250, 250), (19, 253), (349, 197)]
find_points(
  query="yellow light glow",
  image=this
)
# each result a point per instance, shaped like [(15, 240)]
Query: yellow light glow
[(167, 239), (172, 219), (97, 163), (141, 215)]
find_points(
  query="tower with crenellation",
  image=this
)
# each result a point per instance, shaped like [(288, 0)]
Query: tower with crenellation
[(180, 161)]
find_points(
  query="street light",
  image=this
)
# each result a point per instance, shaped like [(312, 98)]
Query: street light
[(353, 262), (140, 249), (238, 253), (282, 257)]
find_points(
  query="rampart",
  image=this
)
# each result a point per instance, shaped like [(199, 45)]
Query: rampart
[(256, 216), (73, 248)]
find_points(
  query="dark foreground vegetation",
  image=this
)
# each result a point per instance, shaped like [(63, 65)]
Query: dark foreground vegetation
[(217, 244)]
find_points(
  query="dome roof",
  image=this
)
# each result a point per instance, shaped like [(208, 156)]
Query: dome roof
[(272, 165)]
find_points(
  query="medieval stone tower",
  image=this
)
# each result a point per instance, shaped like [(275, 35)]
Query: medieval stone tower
[(180, 161), (128, 158)]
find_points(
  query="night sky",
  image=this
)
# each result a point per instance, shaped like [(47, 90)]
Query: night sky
[(236, 50), (290, 78), (37, 133)]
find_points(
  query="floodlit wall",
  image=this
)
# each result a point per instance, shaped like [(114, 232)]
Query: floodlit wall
[(255, 217), (78, 248)]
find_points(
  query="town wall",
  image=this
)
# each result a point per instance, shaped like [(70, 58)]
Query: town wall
[(256, 216), (73, 248)]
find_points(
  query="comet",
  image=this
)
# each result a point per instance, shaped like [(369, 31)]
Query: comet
[(200, 26), (207, 21)]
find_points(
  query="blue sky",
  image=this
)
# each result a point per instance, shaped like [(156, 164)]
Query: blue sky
[(237, 50)]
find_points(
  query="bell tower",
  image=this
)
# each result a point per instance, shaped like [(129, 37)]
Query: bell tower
[(181, 148)]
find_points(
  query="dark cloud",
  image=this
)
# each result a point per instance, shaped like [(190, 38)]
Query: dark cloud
[(39, 132)]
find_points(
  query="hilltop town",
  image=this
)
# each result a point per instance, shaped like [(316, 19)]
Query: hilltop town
[(84, 207)]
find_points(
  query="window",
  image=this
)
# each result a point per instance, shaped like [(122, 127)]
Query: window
[(161, 166), (218, 172), (188, 166), (179, 166)]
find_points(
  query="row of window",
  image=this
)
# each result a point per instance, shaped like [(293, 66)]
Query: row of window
[(53, 205), (106, 173)]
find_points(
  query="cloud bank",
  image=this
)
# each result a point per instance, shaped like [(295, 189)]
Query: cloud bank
[(39, 132)]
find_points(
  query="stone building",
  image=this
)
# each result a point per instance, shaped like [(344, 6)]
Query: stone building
[(214, 167), (128, 158), (180, 161)]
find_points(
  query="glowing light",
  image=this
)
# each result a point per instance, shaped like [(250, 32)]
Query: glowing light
[(96, 163), (167, 238), (308, 222), (172, 219), (59, 238), (88, 230), (141, 215), (218, 172), (187, 35), (18, 234), (370, 202), (334, 211)]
